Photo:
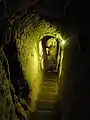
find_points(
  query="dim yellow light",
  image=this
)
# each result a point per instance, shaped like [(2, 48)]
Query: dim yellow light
[(63, 42)]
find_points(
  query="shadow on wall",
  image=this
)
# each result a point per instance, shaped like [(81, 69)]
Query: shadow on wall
[(69, 92), (16, 74)]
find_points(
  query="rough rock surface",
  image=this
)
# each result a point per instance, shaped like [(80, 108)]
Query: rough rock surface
[(7, 109), (10, 106)]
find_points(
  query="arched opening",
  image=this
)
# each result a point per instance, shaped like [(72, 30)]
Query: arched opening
[(50, 52)]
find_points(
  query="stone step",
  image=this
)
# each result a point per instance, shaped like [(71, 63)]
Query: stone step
[(50, 74), (50, 79), (49, 87), (47, 96), (51, 90), (49, 83), (45, 105), (44, 115), (46, 100)]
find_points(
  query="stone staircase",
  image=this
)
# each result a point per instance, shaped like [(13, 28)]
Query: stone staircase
[(47, 99)]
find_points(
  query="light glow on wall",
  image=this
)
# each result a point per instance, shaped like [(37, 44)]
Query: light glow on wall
[(41, 54), (63, 42)]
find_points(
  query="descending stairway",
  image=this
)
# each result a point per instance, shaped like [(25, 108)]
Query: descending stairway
[(47, 99)]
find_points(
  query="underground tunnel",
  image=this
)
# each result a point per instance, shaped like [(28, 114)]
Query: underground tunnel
[(39, 69), (34, 52)]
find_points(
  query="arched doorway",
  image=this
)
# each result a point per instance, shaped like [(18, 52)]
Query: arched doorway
[(49, 54)]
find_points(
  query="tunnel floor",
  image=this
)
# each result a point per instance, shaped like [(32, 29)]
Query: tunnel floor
[(47, 98)]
